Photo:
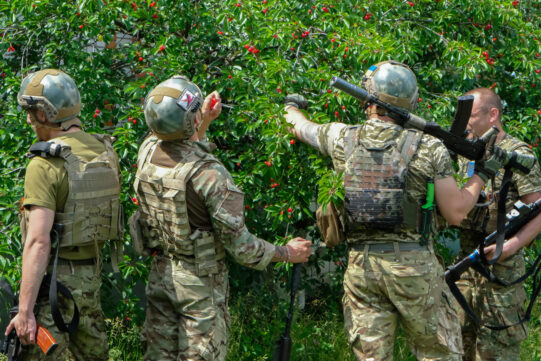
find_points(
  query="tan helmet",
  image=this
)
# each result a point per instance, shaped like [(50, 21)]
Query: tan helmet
[(393, 83), (53, 92), (170, 108)]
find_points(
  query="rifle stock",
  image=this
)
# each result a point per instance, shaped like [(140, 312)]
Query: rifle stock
[(11, 347)]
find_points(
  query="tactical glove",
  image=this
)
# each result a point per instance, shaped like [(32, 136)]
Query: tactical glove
[(296, 100), (488, 168)]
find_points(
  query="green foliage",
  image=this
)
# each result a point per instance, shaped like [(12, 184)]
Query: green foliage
[(254, 52)]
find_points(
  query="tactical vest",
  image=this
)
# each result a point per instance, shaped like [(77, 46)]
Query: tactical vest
[(92, 213), (163, 214), (375, 181)]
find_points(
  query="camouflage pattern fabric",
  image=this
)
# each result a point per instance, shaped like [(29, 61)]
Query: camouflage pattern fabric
[(407, 288), (89, 343), (431, 160), (187, 316), (492, 303), (384, 290)]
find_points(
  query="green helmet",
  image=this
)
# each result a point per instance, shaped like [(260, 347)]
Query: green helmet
[(393, 83), (53, 92), (170, 108)]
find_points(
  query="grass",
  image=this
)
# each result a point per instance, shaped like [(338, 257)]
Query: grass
[(317, 332)]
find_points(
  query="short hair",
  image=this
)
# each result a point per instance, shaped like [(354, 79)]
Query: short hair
[(488, 99)]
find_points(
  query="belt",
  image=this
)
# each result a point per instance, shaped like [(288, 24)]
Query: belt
[(389, 247), (76, 262)]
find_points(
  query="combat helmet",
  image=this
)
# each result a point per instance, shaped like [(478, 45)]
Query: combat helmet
[(393, 83), (54, 93), (170, 108)]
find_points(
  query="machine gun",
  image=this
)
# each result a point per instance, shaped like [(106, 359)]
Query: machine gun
[(454, 139), (519, 216)]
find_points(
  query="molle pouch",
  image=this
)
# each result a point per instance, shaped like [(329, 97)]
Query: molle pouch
[(330, 226), (136, 234), (206, 257)]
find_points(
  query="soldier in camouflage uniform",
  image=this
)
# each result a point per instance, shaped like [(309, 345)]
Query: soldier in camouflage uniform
[(495, 304), (393, 275), (72, 179), (191, 214)]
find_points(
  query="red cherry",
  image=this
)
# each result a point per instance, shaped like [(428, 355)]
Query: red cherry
[(155, 16), (140, 58), (81, 26), (213, 102), (290, 210), (292, 141), (229, 76), (162, 48)]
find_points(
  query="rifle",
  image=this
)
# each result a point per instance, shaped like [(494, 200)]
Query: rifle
[(11, 347), (519, 216), (455, 139), (282, 347)]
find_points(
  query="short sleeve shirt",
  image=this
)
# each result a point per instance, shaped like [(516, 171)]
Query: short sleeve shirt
[(432, 160)]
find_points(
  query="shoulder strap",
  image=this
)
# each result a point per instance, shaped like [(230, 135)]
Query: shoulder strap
[(47, 149), (351, 140), (409, 144)]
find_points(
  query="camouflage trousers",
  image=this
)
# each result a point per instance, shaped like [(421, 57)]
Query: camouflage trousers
[(494, 305), (89, 343), (407, 288), (187, 316)]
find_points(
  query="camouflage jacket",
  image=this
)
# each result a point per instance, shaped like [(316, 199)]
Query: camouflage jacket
[(432, 160), (211, 190)]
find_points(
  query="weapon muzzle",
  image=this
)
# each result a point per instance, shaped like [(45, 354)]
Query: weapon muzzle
[(351, 89)]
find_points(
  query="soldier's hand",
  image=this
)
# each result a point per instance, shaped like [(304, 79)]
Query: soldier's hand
[(25, 326), (488, 168), (299, 250), (212, 107), (509, 249), (296, 100)]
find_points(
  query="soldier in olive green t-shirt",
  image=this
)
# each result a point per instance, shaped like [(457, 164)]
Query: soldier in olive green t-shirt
[(73, 180)]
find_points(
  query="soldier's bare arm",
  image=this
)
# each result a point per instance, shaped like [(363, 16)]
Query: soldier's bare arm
[(454, 203), (524, 237), (35, 257), (320, 136)]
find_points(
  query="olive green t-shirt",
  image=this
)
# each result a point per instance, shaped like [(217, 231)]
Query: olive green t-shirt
[(46, 183)]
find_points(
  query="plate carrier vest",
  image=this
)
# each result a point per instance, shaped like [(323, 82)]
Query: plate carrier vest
[(375, 181), (162, 214), (92, 213)]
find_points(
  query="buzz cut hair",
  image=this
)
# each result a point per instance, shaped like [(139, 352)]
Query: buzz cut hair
[(488, 99)]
